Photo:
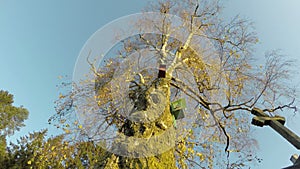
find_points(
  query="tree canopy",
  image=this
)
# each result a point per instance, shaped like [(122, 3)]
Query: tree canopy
[(209, 62), (11, 118), (123, 114)]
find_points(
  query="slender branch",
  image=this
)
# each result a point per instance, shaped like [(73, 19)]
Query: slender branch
[(190, 160), (261, 93), (92, 65), (141, 78), (187, 93), (227, 138), (183, 87), (162, 50), (290, 105)]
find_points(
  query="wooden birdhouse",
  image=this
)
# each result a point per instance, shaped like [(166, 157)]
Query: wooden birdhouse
[(177, 108), (162, 71)]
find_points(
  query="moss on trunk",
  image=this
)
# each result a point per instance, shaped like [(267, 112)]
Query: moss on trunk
[(156, 147)]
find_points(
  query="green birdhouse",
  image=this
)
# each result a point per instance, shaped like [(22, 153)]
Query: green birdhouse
[(177, 108)]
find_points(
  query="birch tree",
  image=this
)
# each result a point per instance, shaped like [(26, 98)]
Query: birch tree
[(208, 62)]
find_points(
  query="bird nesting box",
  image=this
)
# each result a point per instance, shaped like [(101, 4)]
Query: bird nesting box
[(177, 108), (162, 71)]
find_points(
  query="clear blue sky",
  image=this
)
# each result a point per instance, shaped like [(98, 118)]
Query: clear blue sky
[(40, 40)]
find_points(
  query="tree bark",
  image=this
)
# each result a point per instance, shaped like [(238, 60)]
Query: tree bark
[(156, 150)]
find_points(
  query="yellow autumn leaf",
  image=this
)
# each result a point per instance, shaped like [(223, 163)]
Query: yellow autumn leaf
[(67, 131), (190, 150), (53, 147), (61, 96), (29, 162), (230, 151), (201, 156), (80, 126)]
